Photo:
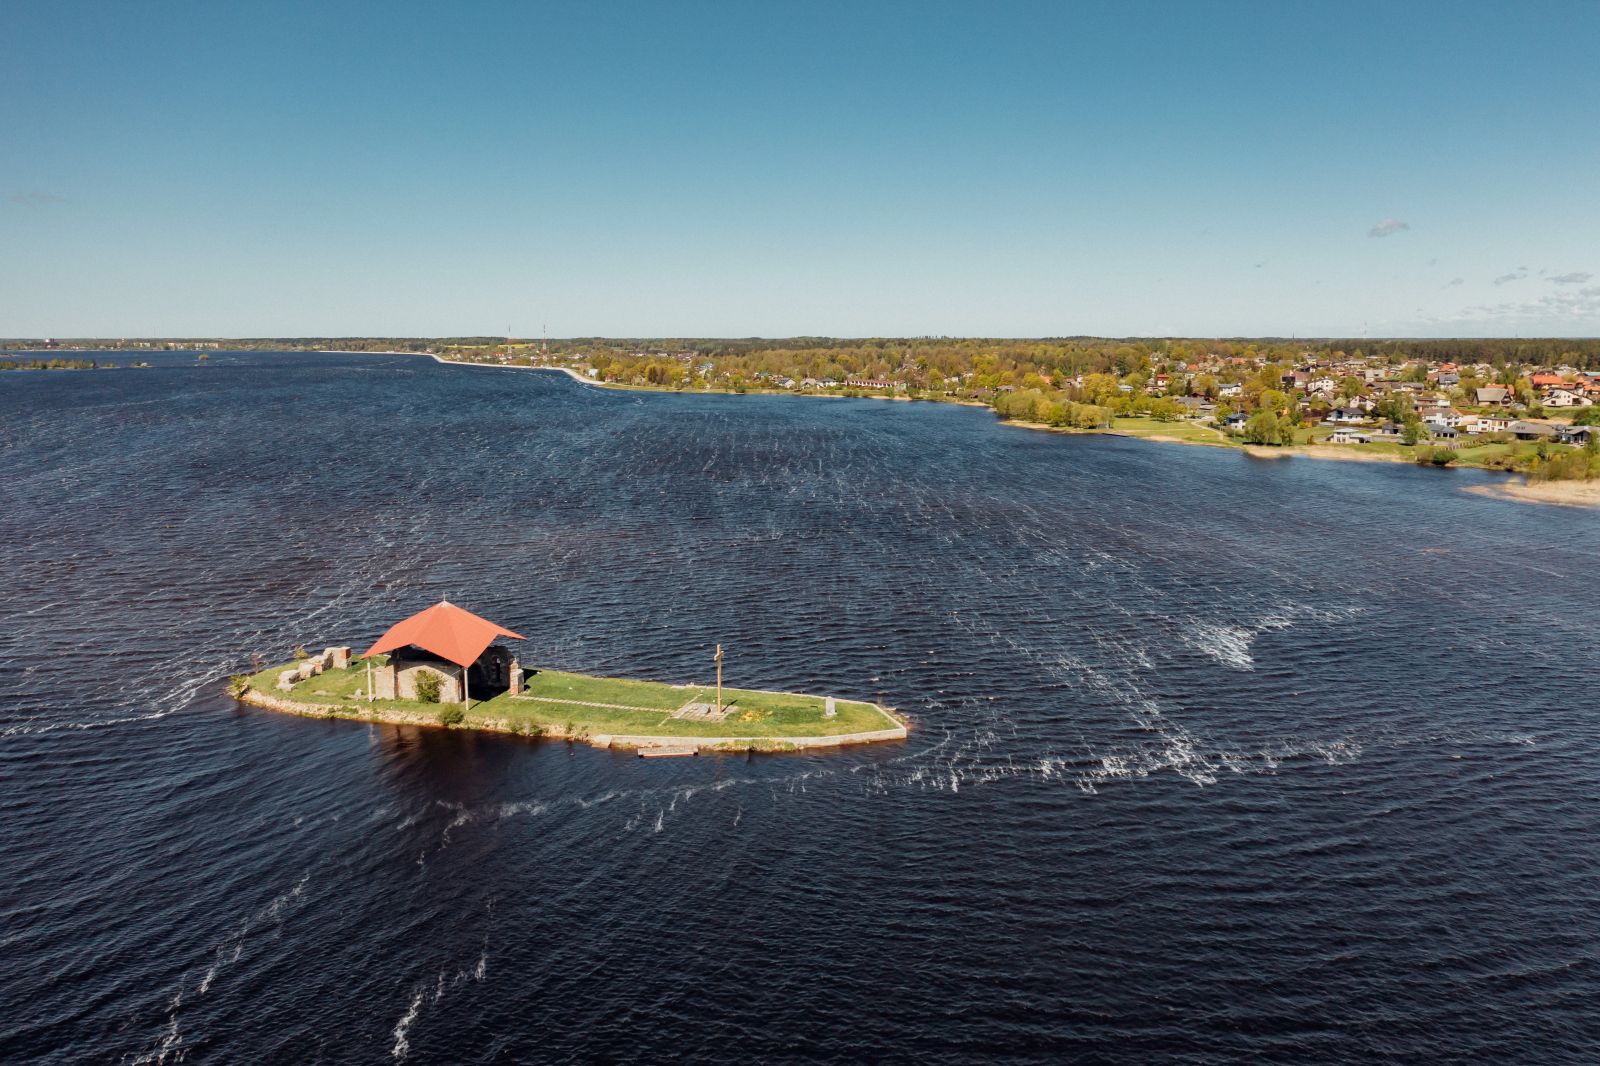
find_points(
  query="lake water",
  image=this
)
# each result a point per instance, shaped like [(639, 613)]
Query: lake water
[(1214, 759)]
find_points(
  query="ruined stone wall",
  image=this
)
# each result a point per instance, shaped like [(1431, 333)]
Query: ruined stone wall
[(383, 681), (406, 673)]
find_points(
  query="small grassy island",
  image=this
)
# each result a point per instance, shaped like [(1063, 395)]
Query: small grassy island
[(424, 670), (603, 711)]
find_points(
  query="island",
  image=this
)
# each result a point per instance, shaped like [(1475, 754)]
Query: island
[(423, 672)]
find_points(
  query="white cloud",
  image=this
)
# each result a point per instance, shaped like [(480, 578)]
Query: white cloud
[(1575, 278), (1386, 227), (1568, 307), (33, 198), (1516, 275)]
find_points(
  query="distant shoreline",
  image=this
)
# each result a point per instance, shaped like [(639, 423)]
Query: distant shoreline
[(616, 387), (1562, 493), (1516, 489), (567, 370)]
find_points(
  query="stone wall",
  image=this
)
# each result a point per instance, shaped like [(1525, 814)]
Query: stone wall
[(876, 736), (311, 666), (383, 681), (494, 667), (406, 672)]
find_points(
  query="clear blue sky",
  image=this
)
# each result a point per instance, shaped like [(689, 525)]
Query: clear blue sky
[(741, 168)]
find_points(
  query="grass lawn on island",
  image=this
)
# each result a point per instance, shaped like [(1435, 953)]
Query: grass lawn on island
[(337, 688), (558, 703)]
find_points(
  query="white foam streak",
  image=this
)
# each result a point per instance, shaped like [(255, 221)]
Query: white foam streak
[(402, 1045), (424, 995)]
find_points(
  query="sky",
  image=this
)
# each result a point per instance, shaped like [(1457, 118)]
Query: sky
[(772, 169)]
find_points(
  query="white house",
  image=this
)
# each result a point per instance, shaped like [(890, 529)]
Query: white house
[(1442, 416), (1564, 398), (1485, 424)]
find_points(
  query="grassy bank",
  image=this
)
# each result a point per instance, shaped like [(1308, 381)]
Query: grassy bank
[(1313, 441)]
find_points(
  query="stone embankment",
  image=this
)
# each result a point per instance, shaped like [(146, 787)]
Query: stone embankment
[(842, 740), (375, 713)]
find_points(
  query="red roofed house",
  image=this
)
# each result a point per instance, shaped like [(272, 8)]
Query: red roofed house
[(454, 644), (1544, 381)]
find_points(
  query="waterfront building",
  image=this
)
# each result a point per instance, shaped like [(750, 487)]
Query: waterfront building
[(451, 643)]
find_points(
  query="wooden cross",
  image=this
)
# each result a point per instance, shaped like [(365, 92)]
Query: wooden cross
[(719, 678)]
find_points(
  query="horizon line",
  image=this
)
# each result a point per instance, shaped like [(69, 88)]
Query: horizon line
[(499, 338)]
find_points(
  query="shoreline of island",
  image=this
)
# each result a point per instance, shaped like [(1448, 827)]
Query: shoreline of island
[(576, 728)]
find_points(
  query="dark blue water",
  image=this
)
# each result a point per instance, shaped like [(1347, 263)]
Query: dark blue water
[(1215, 759)]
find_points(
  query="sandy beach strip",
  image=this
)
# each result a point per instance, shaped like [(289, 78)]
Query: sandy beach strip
[(1557, 493)]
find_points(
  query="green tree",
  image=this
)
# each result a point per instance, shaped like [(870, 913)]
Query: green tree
[(1263, 428), (1165, 410), (1091, 416), (1100, 389)]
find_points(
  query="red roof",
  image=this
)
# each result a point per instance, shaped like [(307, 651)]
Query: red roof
[(446, 630)]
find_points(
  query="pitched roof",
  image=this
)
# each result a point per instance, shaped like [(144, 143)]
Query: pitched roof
[(446, 630)]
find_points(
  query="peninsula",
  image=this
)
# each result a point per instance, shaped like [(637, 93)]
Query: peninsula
[(423, 672)]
